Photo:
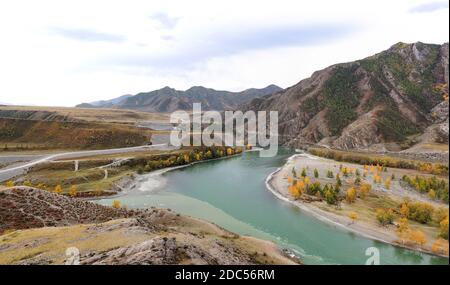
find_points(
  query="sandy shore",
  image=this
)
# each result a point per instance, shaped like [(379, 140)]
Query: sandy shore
[(278, 185)]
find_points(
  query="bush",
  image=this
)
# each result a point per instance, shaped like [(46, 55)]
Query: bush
[(420, 212), (437, 187), (385, 216)]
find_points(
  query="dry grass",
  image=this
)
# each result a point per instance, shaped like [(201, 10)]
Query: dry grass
[(97, 115)]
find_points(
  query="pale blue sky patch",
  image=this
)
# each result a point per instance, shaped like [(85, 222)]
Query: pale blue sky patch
[(87, 35), (165, 21), (429, 7)]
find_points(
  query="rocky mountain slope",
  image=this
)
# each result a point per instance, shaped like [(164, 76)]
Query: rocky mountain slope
[(168, 99), (37, 227), (386, 101)]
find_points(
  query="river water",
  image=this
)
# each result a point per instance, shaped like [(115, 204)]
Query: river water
[(232, 193)]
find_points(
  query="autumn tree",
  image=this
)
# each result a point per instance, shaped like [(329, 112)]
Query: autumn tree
[(440, 246), (58, 189), (385, 216), (27, 183), (420, 212), (403, 225), (350, 196), (376, 178), (417, 237), (9, 184), (73, 191), (364, 190), (443, 226), (404, 210), (295, 191), (387, 183), (116, 204), (353, 216), (41, 186), (431, 194)]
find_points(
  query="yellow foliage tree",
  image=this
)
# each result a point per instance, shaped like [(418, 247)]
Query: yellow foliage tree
[(376, 178), (440, 246), (379, 168), (431, 194), (417, 237), (295, 192), (353, 216), (387, 183), (9, 184), (444, 228), (403, 225), (350, 196), (73, 191), (116, 204), (58, 189), (404, 210), (41, 186), (300, 185), (27, 183), (306, 180), (364, 190), (230, 151)]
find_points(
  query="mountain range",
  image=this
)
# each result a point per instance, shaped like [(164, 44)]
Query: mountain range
[(391, 100), (168, 99)]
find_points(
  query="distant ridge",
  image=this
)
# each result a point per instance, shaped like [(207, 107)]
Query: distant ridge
[(168, 99)]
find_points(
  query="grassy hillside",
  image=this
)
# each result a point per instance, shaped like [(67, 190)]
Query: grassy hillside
[(68, 135)]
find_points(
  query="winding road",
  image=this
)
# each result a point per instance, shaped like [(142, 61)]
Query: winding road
[(10, 172)]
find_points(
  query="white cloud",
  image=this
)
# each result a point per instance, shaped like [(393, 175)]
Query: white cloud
[(60, 53)]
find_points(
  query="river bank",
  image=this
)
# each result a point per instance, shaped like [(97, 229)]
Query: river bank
[(278, 184)]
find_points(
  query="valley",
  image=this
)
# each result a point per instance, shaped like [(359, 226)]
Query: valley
[(362, 163)]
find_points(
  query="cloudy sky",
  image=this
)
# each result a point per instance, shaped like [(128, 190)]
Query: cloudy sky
[(61, 53)]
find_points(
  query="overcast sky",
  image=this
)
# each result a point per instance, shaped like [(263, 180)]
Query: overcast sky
[(62, 53)]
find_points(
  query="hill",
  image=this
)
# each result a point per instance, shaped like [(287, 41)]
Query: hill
[(389, 101)]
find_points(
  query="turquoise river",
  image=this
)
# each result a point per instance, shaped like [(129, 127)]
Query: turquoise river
[(232, 193)]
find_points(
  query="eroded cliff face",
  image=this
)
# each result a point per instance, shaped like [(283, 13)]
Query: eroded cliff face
[(386, 101)]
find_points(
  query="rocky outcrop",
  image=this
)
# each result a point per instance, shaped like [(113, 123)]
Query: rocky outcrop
[(25, 207)]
